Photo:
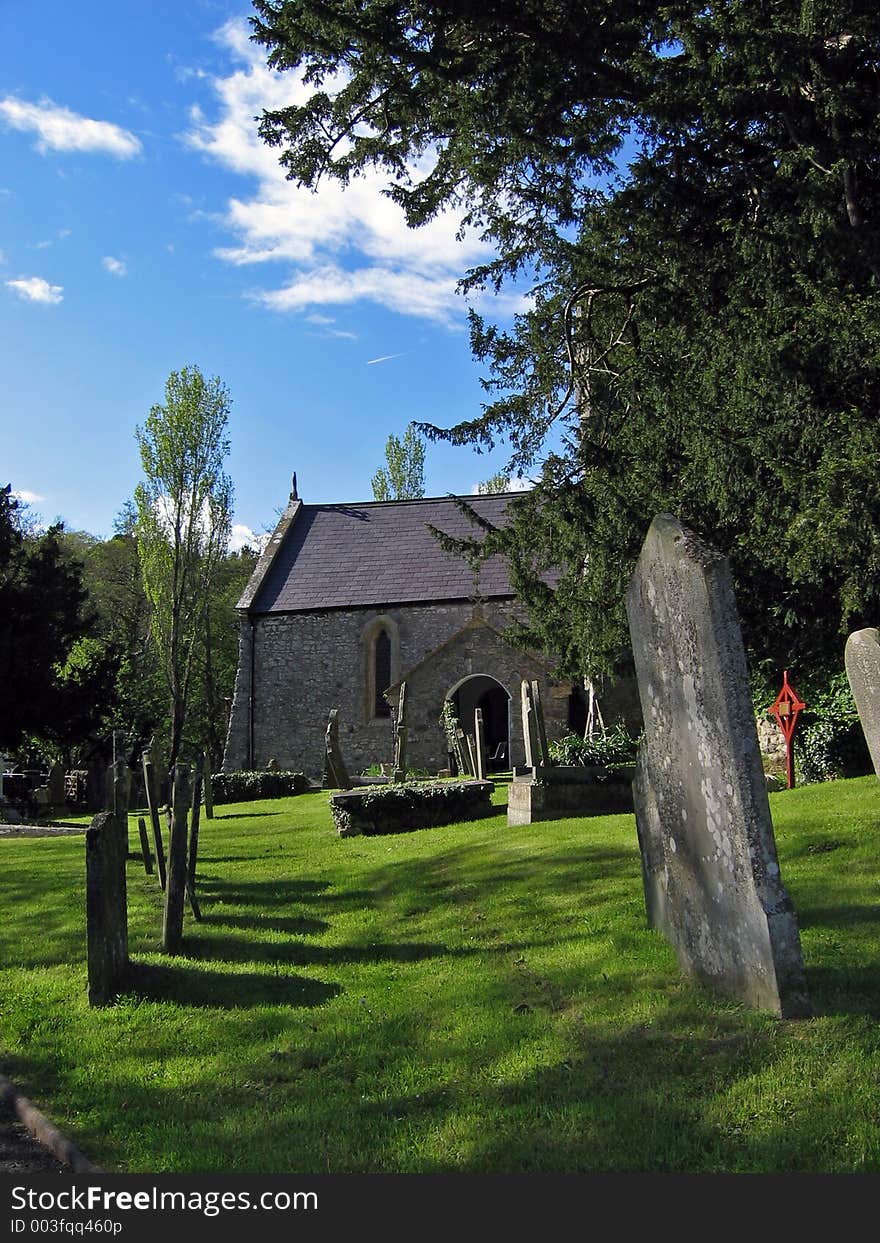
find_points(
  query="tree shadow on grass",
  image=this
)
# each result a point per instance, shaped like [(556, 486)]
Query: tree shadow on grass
[(258, 893), (845, 990), (295, 953), (294, 926), (243, 815), (223, 990)]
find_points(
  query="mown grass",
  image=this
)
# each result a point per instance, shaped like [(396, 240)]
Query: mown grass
[(469, 998)]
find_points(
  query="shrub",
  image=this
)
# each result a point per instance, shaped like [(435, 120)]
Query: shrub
[(831, 743), (243, 787), (393, 808), (615, 747)]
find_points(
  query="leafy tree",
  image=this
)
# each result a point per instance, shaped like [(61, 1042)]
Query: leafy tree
[(184, 508), (693, 193), (52, 679), (113, 578), (404, 478), (217, 658), (499, 482)]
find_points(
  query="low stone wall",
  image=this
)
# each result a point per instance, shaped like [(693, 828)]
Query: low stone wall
[(559, 792), (401, 807)]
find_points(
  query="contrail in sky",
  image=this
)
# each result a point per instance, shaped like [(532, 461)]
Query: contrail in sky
[(384, 359)]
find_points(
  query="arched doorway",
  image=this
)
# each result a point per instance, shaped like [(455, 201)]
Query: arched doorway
[(487, 694)]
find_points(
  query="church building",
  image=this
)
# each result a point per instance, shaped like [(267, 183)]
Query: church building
[(346, 602)]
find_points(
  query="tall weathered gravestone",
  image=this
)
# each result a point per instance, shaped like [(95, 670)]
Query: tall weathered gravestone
[(709, 864), (862, 657), (106, 896)]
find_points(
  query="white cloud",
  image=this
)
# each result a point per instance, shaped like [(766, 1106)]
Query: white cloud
[(116, 267), (243, 537), (35, 289), (514, 484), (29, 498), (59, 237), (344, 244), (60, 129)]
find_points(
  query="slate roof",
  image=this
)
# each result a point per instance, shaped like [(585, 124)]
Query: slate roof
[(378, 553)]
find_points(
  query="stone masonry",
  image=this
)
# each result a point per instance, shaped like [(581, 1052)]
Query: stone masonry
[(304, 664)]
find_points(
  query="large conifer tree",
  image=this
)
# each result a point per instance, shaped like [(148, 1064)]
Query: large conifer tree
[(692, 191)]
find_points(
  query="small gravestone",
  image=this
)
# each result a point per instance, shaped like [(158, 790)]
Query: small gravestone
[(335, 773), (175, 890), (145, 846), (480, 745), (193, 853), (400, 734), (117, 788), (57, 786), (543, 755), (153, 808), (530, 732), (710, 870), (862, 657), (106, 905), (461, 754)]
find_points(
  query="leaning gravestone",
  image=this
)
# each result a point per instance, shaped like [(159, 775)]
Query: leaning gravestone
[(335, 773), (862, 657), (709, 865)]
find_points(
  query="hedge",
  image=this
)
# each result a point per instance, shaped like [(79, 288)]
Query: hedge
[(243, 787), (417, 805)]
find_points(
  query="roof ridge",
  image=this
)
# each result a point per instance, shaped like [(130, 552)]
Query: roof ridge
[(414, 500)]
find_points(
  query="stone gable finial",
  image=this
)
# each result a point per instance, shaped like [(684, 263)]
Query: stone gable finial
[(294, 495)]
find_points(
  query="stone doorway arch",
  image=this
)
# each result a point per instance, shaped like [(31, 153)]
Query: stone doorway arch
[(479, 690)]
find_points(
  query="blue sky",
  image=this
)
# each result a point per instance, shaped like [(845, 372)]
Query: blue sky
[(144, 226)]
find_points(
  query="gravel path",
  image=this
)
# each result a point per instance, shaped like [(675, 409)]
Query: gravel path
[(19, 1151)]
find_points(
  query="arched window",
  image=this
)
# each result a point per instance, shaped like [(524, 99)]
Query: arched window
[(382, 673)]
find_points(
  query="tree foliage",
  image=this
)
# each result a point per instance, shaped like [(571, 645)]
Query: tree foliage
[(53, 678), (499, 482), (403, 476), (184, 507), (692, 192)]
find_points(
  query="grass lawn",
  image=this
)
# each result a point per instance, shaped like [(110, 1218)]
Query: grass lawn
[(469, 998)]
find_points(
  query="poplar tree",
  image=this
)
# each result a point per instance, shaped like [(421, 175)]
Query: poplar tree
[(184, 511), (403, 476)]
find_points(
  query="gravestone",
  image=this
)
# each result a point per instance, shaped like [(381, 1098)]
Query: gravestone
[(153, 808), (862, 658), (529, 727), (106, 905), (335, 773), (543, 751), (175, 890), (145, 846), (709, 865), (57, 786), (480, 745), (193, 854), (400, 731)]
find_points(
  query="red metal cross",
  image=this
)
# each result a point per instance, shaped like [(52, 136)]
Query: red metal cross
[(785, 709)]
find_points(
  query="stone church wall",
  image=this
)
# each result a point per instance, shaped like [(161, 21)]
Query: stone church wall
[(304, 664)]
